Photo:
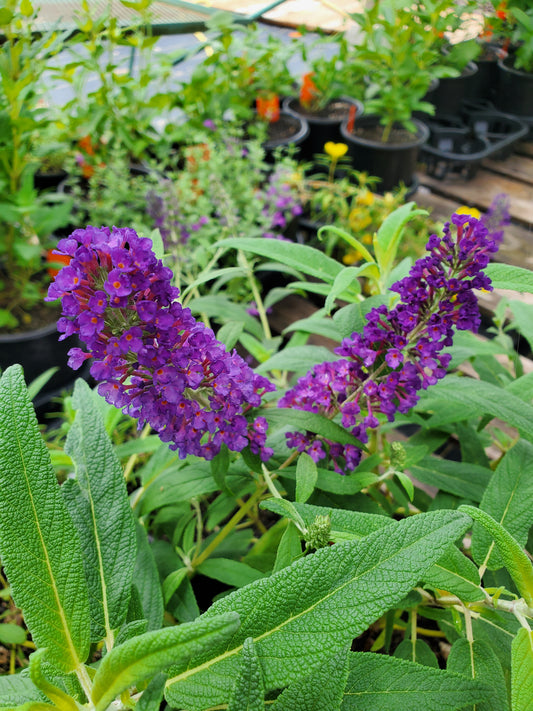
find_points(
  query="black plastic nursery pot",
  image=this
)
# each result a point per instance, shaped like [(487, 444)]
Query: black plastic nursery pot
[(393, 162), (448, 96), (324, 125), (37, 351), (289, 130), (514, 94)]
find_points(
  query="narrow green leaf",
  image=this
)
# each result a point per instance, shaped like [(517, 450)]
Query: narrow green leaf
[(229, 333), (289, 549), (314, 608), (146, 581), (458, 478), (176, 484), (298, 256), (99, 506), (283, 507), (416, 651), (506, 276), (12, 634), (172, 582), (389, 235), (475, 397), (142, 657), (56, 695), (380, 683), (477, 660), (456, 574), (317, 325), (508, 500), (152, 696), (249, 693), (356, 524), (36, 385), (228, 571), (322, 689), (345, 279), (297, 359), (522, 671), (514, 557), (306, 477), (331, 481), (34, 512), (309, 421)]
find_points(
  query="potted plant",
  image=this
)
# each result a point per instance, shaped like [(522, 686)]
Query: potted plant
[(324, 99), (28, 218), (396, 66), (515, 81)]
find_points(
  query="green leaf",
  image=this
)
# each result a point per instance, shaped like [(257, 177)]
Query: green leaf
[(16, 690), (419, 652), (456, 574), (322, 689), (172, 582), (508, 500), (178, 483), (152, 696), (249, 693), (229, 333), (157, 243), (353, 524), (56, 695), (506, 276), (142, 657), (389, 235), (336, 484), (522, 671), (477, 398), (317, 325), (311, 422), (99, 505), (314, 608), (298, 256), (514, 557), (380, 683), (283, 507), (345, 279), (146, 580), (34, 512), (306, 477), (477, 660), (36, 385), (12, 634), (289, 549), (297, 359), (465, 480), (228, 571)]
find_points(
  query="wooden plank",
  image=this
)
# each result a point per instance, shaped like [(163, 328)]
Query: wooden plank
[(524, 148), (516, 167), (517, 247), (482, 189)]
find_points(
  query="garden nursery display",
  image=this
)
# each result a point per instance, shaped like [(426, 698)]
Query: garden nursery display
[(212, 511)]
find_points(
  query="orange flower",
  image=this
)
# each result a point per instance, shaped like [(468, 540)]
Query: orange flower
[(268, 107), (308, 90), (52, 258), (86, 145)]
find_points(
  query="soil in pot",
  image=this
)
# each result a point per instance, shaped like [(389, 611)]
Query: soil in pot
[(286, 131), (324, 125), (394, 162)]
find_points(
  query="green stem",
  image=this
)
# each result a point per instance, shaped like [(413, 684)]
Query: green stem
[(257, 296)]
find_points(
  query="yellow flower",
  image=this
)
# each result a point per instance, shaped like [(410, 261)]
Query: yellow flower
[(351, 257), (335, 150), (367, 238), (359, 219), (388, 199), (366, 197), (472, 211)]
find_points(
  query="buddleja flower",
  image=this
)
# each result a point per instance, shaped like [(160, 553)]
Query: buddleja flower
[(152, 358), (399, 353)]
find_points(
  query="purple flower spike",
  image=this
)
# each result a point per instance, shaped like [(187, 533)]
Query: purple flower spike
[(399, 352), (152, 358)]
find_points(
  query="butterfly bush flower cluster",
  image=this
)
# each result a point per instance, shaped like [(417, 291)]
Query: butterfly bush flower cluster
[(280, 204), (400, 351), (152, 359)]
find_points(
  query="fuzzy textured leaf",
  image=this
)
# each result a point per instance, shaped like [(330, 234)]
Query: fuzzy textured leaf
[(508, 500), (142, 657), (506, 276), (514, 557), (46, 573), (456, 574), (297, 359), (249, 693), (522, 671), (315, 607), (16, 690), (322, 689), (458, 478), (478, 661), (380, 683), (146, 580), (98, 503)]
